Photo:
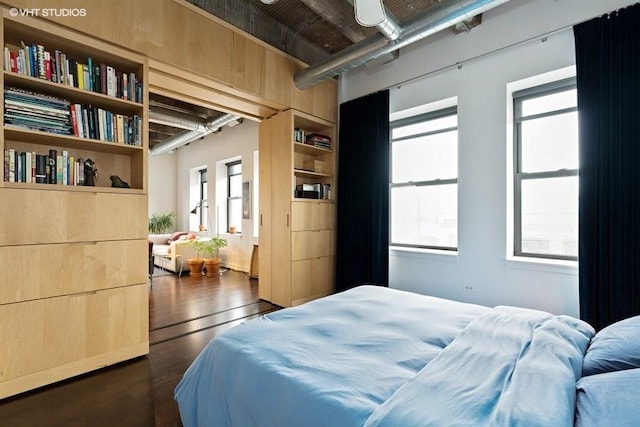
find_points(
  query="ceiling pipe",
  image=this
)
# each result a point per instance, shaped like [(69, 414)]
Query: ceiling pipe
[(447, 14), (166, 117), (188, 136)]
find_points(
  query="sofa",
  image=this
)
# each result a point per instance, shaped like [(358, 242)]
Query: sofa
[(167, 246)]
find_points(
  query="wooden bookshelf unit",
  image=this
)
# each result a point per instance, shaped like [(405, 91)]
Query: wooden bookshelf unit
[(297, 229), (73, 258)]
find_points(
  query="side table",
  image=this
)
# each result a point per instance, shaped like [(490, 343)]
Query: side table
[(165, 258)]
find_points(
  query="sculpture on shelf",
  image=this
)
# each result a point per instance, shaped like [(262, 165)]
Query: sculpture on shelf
[(117, 182), (90, 173)]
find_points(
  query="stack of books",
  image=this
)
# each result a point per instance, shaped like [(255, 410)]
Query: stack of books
[(36, 111), (320, 141)]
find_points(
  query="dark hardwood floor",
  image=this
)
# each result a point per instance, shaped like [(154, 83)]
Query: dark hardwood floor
[(185, 313)]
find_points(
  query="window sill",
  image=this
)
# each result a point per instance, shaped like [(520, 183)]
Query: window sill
[(543, 264), (440, 255), (236, 236)]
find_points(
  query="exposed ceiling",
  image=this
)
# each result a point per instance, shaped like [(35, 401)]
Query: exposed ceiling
[(159, 132), (314, 31), (310, 30)]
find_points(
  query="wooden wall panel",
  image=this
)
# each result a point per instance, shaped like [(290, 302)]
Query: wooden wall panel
[(178, 33)]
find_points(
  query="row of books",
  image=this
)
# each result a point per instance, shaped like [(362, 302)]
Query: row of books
[(33, 168), (33, 60), (96, 123), (315, 139), (37, 111)]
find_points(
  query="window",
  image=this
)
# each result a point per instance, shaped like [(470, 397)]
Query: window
[(546, 171), (424, 181), (202, 203), (234, 196)]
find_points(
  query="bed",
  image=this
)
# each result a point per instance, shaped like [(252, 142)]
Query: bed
[(375, 356)]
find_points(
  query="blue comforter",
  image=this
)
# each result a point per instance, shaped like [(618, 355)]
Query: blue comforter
[(330, 362), (510, 367), (388, 358)]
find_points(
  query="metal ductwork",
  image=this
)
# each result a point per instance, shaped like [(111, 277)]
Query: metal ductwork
[(390, 28), (203, 129), (447, 14), (174, 119)]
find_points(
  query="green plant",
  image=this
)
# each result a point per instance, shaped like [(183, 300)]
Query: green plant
[(209, 247), (161, 223)]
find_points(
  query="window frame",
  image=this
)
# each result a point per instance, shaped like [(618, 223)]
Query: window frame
[(519, 176), (203, 182), (229, 166), (432, 115)]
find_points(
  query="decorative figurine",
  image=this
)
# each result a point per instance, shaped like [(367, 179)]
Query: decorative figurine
[(117, 182), (90, 173)]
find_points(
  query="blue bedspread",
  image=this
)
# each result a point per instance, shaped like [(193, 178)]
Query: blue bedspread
[(330, 362), (509, 367)]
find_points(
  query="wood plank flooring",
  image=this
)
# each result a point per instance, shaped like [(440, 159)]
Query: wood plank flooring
[(185, 313)]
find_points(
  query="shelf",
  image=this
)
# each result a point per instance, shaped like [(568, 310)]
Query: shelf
[(299, 147), (74, 95), (309, 200), (66, 141), (78, 188), (310, 174)]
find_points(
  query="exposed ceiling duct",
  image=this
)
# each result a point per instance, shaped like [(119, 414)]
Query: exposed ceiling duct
[(199, 130), (174, 119), (447, 14)]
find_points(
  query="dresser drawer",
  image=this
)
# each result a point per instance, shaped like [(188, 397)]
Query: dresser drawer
[(72, 334), (40, 271), (51, 216)]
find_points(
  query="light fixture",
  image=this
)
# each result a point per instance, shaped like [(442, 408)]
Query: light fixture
[(268, 1), (200, 205), (369, 13)]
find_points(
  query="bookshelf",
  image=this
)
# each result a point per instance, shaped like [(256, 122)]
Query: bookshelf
[(21, 38), (73, 258), (297, 228)]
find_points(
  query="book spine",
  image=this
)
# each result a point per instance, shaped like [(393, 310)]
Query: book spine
[(40, 56), (41, 169), (53, 159), (80, 75), (89, 74), (65, 167), (59, 169)]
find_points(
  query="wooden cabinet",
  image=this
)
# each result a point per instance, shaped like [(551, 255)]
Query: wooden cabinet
[(73, 258), (297, 234)]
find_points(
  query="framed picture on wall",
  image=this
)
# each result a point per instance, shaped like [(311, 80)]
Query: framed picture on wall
[(246, 200)]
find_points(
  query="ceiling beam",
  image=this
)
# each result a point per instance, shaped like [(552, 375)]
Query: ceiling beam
[(340, 14)]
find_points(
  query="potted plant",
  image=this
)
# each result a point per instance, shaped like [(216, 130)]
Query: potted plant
[(212, 247), (206, 247), (161, 222)]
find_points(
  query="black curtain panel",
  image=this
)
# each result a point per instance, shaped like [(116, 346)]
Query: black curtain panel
[(363, 192), (608, 81)]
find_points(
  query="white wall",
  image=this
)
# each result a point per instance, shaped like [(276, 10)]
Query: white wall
[(240, 141), (162, 184), (480, 86)]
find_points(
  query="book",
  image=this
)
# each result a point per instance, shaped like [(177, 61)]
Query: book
[(53, 160), (41, 169)]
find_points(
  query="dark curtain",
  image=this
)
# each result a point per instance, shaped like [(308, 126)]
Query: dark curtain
[(608, 81), (363, 192)]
